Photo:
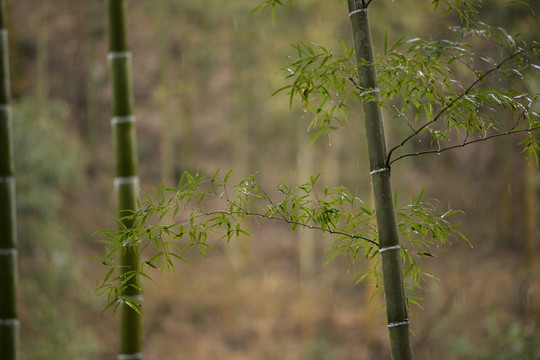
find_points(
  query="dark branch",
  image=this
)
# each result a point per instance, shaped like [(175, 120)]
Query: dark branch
[(292, 222), (465, 143)]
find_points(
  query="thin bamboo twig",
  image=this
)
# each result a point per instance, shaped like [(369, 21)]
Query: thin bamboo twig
[(463, 144)]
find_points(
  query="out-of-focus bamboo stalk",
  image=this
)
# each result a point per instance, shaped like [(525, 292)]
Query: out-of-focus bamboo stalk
[(9, 323), (126, 180), (42, 59), (164, 92), (531, 205), (306, 243)]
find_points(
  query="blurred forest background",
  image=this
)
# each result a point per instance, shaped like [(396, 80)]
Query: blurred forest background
[(204, 73)]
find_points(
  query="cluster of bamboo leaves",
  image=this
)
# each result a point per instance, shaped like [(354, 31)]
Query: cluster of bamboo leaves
[(444, 88), (204, 210)]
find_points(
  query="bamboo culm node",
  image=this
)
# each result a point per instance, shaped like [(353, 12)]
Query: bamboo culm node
[(357, 11), (138, 297), (388, 248), (7, 179), (118, 55), (380, 170), (126, 180), (9, 322), (136, 356), (400, 323), (123, 119), (9, 252)]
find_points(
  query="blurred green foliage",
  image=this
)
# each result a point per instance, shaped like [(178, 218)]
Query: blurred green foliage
[(50, 162), (500, 342)]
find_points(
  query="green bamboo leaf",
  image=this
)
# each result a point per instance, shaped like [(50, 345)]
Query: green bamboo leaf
[(116, 303), (338, 251), (132, 303), (362, 275), (153, 260), (107, 276), (179, 257), (226, 178)]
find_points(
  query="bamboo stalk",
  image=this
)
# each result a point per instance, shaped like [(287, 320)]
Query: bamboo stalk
[(390, 251), (126, 180), (531, 206), (42, 60), (9, 323)]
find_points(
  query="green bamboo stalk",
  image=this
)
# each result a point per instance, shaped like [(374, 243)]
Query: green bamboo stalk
[(9, 323), (390, 250), (126, 180)]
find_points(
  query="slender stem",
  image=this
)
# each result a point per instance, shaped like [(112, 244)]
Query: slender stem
[(9, 323), (390, 250), (126, 180), (288, 221), (463, 144)]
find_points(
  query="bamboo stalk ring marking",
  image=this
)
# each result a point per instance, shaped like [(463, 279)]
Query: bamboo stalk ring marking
[(8, 252), (357, 11), (118, 55), (399, 323), (123, 119), (126, 180), (375, 171), (135, 356), (388, 248), (6, 179), (137, 297), (9, 322)]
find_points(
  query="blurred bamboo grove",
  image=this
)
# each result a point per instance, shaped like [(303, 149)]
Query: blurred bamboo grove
[(204, 72)]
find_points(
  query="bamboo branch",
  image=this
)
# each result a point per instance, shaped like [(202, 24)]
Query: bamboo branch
[(281, 215), (465, 143), (451, 104), (287, 221)]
